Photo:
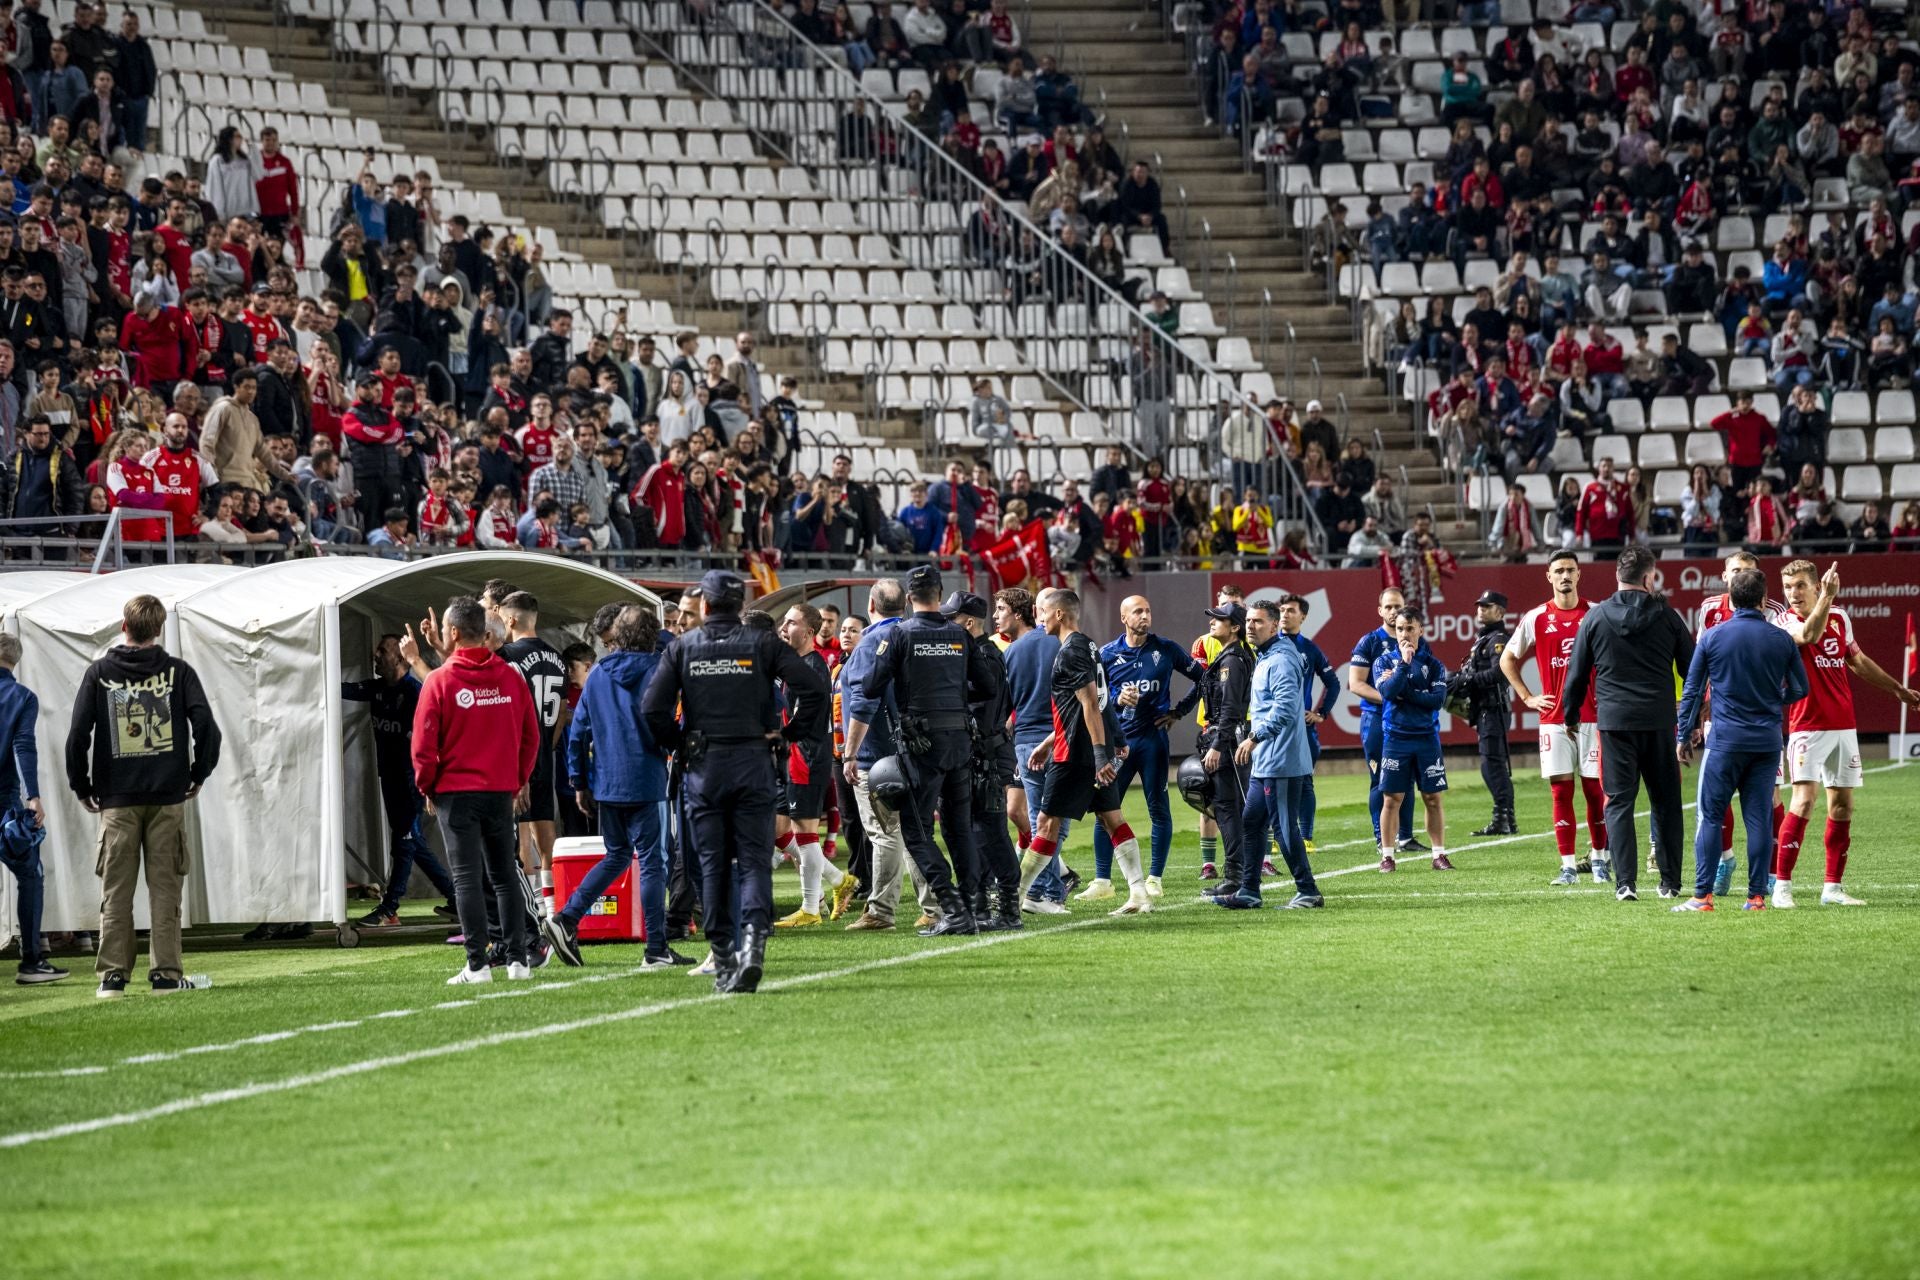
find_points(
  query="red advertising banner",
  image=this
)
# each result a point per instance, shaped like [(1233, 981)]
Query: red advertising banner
[(1878, 592)]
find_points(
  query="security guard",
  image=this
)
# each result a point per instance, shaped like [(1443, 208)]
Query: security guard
[(722, 674), (933, 667), (992, 769), (1227, 689), (1489, 706)]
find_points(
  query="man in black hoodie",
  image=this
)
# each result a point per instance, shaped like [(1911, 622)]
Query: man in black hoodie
[(1628, 648), (143, 742)]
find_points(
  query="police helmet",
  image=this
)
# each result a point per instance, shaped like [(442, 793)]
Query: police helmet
[(1196, 784), (887, 783)]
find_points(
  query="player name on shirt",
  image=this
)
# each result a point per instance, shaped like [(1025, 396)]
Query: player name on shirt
[(546, 675)]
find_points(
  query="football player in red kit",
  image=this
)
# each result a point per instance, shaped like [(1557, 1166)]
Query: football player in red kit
[(1546, 634), (1823, 741)]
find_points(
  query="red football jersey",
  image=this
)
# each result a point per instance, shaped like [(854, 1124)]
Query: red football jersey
[(1546, 634), (1829, 701), (1715, 610), (536, 446)]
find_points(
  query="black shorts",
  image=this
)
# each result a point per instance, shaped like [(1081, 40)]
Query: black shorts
[(540, 804), (1068, 791), (805, 800)]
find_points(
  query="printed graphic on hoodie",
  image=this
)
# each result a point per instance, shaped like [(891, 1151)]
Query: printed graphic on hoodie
[(142, 713)]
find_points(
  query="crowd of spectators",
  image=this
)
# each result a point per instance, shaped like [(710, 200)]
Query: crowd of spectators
[(1740, 164)]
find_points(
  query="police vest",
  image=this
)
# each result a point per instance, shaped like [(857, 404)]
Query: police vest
[(726, 686), (934, 670)]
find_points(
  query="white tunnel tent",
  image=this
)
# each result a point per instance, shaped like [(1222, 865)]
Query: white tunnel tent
[(293, 804)]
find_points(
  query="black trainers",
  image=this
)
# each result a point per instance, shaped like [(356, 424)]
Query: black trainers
[(566, 941), (1071, 880), (446, 911), (669, 959), (170, 986), (259, 933), (32, 975), (112, 986), (1410, 845)]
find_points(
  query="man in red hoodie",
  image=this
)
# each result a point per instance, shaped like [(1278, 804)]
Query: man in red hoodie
[(1749, 439), (161, 341), (475, 740), (663, 492), (278, 187), (1605, 517)]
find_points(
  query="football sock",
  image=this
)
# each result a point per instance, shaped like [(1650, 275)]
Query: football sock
[(782, 845), (1103, 853), (546, 892), (1596, 814), (1039, 853), (1566, 861), (1793, 831), (1209, 847), (1726, 833), (1373, 803), (1126, 851), (807, 849), (1779, 816), (1839, 837), (1563, 819)]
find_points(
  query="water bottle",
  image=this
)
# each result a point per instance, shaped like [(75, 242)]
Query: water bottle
[(198, 981)]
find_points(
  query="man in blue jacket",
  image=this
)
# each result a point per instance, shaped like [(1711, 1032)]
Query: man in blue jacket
[(1140, 667), (1413, 687), (1293, 618), (1276, 750), (1751, 670), (616, 768), (20, 771), (1359, 672)]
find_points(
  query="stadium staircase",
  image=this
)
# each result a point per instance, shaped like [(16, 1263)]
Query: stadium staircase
[(1230, 243), (408, 122)]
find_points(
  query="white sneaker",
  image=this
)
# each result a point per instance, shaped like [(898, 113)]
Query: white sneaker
[(466, 976), (1137, 904), (704, 969), (1782, 897), (1044, 907), (518, 973), (1834, 896), (1153, 887), (1095, 891)]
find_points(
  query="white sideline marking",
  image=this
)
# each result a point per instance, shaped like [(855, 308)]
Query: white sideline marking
[(241, 1093)]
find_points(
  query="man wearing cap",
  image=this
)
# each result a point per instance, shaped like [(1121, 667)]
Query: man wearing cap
[(991, 708), (1226, 689), (932, 666), (1317, 428), (1490, 707), (711, 700)]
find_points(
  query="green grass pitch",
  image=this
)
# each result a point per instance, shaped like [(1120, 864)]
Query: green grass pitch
[(1440, 1075)]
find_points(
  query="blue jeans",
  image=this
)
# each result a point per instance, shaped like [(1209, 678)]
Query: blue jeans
[(1048, 883), (630, 831), (1272, 804), (1724, 775), (32, 892), (1147, 761), (1372, 743)]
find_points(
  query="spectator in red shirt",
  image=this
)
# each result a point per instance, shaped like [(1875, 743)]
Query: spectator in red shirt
[(475, 740), (1632, 75), (1160, 534), (1607, 361), (161, 340), (175, 240), (663, 492), (390, 377), (1766, 517), (1605, 517), (278, 188), (1750, 438)]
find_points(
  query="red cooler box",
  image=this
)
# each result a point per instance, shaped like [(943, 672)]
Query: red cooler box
[(616, 916)]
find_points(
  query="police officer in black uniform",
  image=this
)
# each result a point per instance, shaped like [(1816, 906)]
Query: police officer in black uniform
[(992, 772), (1490, 708), (720, 675), (1227, 690), (933, 667)]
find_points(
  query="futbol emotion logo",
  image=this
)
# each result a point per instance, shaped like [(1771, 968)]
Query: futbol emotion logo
[(464, 698)]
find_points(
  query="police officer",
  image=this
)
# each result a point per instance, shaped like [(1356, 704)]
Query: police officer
[(1489, 705), (1226, 689), (722, 674), (932, 666), (993, 770)]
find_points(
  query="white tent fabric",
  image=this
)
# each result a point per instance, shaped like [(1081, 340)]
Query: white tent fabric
[(61, 633), (272, 645)]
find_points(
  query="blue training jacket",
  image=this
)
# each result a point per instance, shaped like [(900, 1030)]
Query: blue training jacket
[(1318, 668), (1365, 653), (1754, 673), (610, 754), (1413, 693), (1150, 669), (854, 702), (19, 721), (1280, 745)]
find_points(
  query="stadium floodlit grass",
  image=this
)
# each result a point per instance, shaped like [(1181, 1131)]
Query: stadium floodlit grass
[(1467, 1074)]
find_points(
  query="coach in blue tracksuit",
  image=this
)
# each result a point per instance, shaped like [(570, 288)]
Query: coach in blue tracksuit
[(1140, 668), (1360, 682), (1751, 670), (617, 769), (1413, 687), (1281, 761), (1293, 617)]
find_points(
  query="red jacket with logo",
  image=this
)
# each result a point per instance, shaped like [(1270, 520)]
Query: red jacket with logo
[(474, 728)]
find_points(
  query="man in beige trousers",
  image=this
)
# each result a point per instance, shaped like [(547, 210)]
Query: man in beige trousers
[(143, 742)]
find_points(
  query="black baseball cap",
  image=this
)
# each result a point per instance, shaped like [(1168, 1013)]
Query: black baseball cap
[(720, 587), (1234, 612), (966, 604), (922, 579), (1494, 598)]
